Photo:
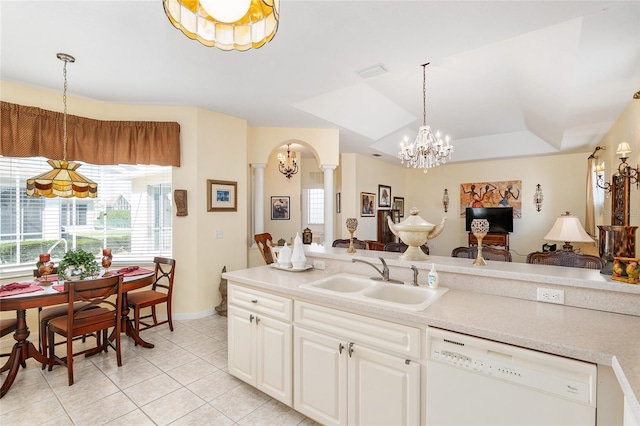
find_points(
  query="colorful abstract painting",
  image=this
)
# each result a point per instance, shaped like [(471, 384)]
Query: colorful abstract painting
[(492, 194)]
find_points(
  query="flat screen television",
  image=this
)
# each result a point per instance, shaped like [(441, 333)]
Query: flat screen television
[(500, 218)]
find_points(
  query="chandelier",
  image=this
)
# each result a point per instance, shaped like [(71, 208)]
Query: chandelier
[(287, 165), (428, 150), (227, 25), (63, 181)]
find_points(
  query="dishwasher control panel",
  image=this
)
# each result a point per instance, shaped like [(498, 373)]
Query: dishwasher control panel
[(568, 378)]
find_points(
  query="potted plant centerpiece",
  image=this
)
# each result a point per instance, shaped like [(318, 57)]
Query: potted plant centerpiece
[(77, 265)]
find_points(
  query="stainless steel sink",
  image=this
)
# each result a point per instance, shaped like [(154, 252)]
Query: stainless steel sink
[(402, 296)]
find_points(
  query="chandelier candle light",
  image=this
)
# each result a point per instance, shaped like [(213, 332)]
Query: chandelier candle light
[(288, 165), (63, 181), (427, 150), (227, 25)]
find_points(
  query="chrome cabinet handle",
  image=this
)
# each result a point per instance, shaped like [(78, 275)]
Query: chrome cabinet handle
[(350, 349), (251, 318), (254, 301), (257, 320), (340, 348)]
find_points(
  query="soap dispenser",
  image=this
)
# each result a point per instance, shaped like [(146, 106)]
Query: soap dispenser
[(432, 277)]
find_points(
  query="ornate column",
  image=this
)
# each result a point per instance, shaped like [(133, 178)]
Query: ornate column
[(258, 197), (329, 196)]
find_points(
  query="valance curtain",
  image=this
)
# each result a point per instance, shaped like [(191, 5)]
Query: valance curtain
[(31, 132)]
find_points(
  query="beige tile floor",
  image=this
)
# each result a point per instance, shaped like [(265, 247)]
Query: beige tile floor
[(182, 381)]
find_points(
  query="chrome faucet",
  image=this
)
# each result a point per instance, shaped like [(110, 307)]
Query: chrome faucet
[(384, 273), (415, 275)]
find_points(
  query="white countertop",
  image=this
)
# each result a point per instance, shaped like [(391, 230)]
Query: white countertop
[(595, 336)]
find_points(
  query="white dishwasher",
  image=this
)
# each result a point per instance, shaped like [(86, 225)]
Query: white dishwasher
[(472, 381)]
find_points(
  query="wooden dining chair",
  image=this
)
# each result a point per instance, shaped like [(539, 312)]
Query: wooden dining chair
[(47, 314), (488, 253), (565, 258), (7, 326), (161, 292), (344, 243), (95, 292), (265, 242), (402, 247)]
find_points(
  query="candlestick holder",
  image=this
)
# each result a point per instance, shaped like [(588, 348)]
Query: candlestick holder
[(480, 228), (106, 260), (352, 225)]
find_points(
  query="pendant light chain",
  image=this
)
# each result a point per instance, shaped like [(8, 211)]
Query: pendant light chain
[(64, 120), (424, 93)]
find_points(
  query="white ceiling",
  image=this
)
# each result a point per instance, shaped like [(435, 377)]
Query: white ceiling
[(507, 78)]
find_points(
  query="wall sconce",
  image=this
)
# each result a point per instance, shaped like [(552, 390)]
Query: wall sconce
[(287, 165), (624, 169), (538, 197), (445, 200)]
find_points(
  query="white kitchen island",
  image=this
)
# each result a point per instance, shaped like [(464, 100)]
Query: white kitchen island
[(598, 323)]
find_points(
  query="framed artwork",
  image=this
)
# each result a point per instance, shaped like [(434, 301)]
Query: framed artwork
[(280, 208), (367, 204), (398, 203), (492, 194), (338, 202), (384, 196), (222, 196)]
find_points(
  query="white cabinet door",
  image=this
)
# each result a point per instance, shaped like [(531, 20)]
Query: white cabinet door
[(274, 358), (320, 382), (242, 344), (260, 352), (383, 389)]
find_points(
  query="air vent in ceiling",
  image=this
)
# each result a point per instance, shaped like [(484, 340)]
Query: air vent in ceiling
[(372, 71)]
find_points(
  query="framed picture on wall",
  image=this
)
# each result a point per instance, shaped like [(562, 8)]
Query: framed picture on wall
[(222, 196), (280, 209), (338, 202), (398, 203), (367, 204), (384, 196)]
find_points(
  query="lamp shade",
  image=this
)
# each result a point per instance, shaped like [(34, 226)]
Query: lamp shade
[(624, 148), (568, 228)]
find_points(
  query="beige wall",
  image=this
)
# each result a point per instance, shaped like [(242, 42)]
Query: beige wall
[(263, 141), (213, 146)]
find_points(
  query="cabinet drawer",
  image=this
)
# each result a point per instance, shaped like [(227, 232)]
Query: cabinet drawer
[(392, 337), (260, 302)]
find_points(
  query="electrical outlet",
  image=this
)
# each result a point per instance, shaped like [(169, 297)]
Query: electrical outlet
[(551, 296), (318, 264), (218, 234)]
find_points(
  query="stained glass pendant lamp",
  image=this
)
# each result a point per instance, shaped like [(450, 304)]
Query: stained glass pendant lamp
[(63, 181), (226, 24)]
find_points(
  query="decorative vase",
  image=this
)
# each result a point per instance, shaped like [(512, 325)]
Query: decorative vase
[(352, 225), (480, 228), (74, 272), (415, 231), (45, 265), (106, 259)]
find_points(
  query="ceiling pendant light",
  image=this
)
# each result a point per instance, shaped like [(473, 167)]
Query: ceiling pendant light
[(63, 181), (287, 165), (226, 24), (427, 150)]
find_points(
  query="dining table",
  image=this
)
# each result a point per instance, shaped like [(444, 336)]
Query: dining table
[(23, 349)]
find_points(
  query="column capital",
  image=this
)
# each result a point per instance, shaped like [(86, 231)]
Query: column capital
[(258, 165), (328, 166)]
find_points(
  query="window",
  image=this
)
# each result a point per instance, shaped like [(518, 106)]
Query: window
[(131, 215), (315, 211)]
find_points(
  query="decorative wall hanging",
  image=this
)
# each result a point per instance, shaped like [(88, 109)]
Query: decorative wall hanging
[(180, 197), (222, 196), (367, 204), (491, 194), (280, 209), (398, 204), (384, 196)]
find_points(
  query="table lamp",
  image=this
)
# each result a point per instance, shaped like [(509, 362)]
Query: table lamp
[(568, 228)]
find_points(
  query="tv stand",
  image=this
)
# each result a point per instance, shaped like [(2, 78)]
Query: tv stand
[(491, 239)]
